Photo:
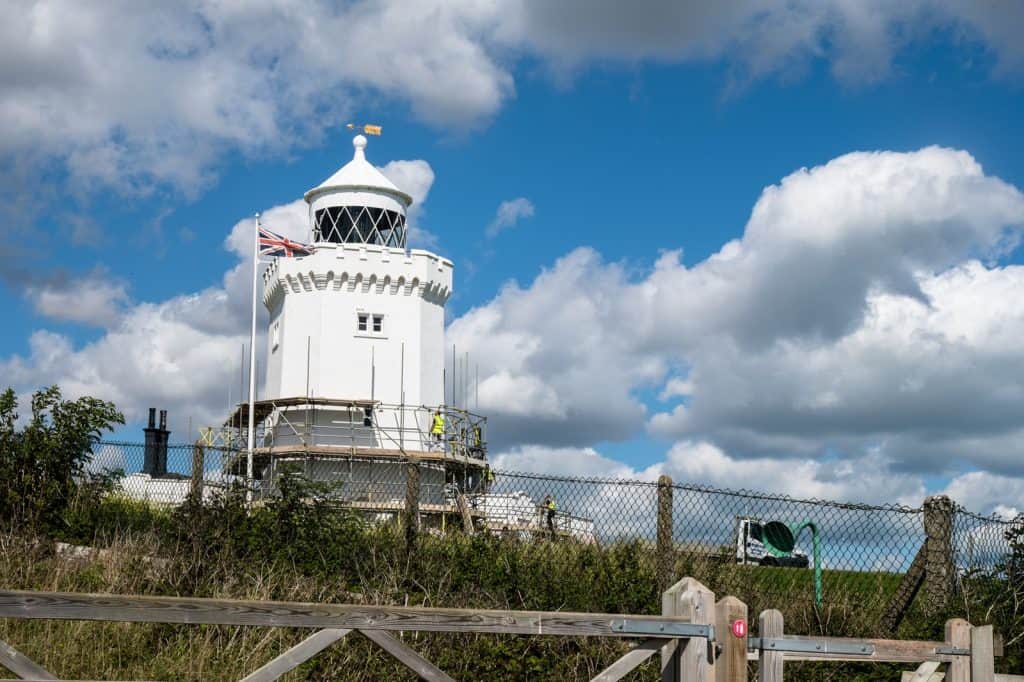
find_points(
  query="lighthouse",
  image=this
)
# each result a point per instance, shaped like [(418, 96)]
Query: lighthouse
[(363, 316), (355, 375)]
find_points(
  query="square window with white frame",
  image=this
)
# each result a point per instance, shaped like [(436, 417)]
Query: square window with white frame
[(362, 322), (378, 324)]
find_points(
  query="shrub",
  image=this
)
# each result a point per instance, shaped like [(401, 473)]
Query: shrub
[(42, 463)]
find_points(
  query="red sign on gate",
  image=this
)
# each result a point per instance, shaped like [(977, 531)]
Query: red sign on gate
[(739, 628)]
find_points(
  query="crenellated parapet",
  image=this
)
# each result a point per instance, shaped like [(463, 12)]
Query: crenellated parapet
[(363, 269)]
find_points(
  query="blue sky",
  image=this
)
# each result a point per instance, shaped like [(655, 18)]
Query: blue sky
[(627, 141)]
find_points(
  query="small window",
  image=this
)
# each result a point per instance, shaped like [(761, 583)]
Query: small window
[(378, 324), (363, 320), (275, 336)]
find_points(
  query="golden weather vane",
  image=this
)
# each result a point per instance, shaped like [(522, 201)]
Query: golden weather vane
[(367, 128)]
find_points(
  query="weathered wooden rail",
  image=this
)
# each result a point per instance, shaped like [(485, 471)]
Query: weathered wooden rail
[(335, 621), (698, 639)]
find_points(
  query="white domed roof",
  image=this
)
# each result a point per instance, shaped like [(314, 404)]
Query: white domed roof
[(358, 175)]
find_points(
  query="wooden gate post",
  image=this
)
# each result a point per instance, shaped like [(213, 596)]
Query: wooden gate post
[(770, 626), (670, 652), (731, 663), (665, 555), (690, 660), (938, 566), (412, 503), (983, 664), (958, 636)]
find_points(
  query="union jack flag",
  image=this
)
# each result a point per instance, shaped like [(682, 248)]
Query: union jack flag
[(272, 244)]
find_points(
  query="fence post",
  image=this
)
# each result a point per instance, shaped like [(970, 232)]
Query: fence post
[(983, 664), (958, 636), (412, 503), (938, 567), (467, 517), (731, 662), (198, 468), (905, 593), (770, 626), (665, 556)]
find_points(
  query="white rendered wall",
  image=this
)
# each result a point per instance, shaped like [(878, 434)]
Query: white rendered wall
[(318, 297)]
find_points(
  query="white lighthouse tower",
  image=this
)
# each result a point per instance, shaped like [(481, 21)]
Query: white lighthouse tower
[(340, 318), (355, 355)]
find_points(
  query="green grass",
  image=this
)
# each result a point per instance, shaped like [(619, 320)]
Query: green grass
[(857, 584), (302, 552)]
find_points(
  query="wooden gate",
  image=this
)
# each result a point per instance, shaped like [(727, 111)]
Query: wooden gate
[(697, 638)]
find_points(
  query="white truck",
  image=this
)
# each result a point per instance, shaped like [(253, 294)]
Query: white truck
[(753, 546)]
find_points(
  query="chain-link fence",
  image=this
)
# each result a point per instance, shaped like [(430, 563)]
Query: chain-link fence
[(840, 562), (168, 478), (982, 543)]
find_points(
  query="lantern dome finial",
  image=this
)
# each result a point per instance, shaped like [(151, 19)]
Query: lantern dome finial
[(358, 175)]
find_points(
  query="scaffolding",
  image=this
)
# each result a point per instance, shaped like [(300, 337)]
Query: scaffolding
[(360, 449)]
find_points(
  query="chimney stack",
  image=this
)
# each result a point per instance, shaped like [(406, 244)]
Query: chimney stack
[(154, 459)]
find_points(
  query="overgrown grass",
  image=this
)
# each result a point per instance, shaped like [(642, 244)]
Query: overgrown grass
[(297, 549)]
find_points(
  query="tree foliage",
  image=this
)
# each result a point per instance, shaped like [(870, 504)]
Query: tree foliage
[(44, 459)]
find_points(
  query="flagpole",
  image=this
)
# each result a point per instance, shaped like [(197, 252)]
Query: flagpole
[(252, 364)]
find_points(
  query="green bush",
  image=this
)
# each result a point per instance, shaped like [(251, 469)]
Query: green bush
[(43, 462)]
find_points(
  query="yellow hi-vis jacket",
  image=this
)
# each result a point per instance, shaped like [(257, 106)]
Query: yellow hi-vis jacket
[(551, 505), (437, 427)]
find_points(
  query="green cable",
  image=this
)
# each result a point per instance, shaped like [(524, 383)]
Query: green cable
[(816, 542)]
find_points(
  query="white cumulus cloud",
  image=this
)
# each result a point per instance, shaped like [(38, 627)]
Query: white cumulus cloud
[(96, 298), (415, 178), (851, 317), (509, 213), (184, 84)]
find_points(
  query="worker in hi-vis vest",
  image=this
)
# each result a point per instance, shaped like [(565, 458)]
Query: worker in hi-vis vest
[(549, 505), (437, 426)]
